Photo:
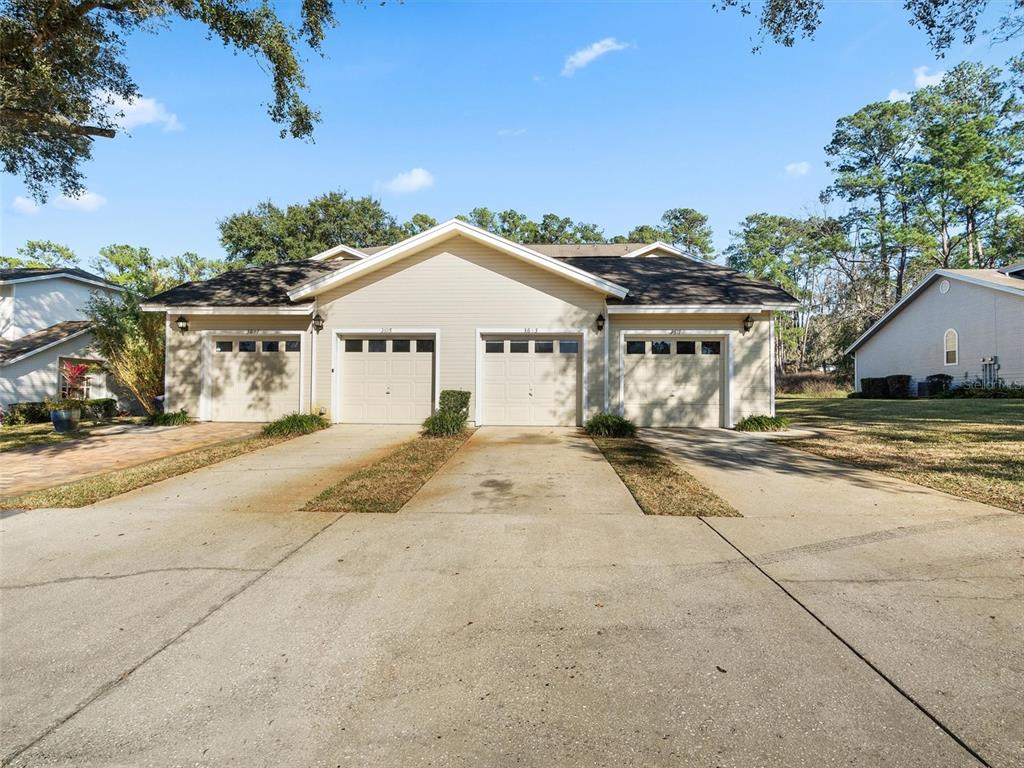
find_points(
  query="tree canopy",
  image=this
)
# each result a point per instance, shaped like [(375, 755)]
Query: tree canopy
[(63, 72), (943, 21)]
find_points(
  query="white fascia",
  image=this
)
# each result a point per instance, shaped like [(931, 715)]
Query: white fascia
[(441, 232), (657, 245), (337, 250), (299, 309), (696, 309), (65, 276), (52, 344)]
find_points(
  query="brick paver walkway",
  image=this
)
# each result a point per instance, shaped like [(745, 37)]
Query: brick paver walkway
[(42, 466)]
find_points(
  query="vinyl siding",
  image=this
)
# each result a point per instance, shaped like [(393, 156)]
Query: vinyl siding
[(459, 286), (751, 352), (36, 377), (39, 304), (988, 322), (184, 357)]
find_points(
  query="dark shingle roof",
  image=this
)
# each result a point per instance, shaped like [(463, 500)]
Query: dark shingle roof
[(25, 273), (265, 286), (9, 350), (674, 280)]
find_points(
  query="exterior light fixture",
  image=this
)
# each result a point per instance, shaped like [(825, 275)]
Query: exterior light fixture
[(600, 323), (318, 323), (182, 323), (748, 323)]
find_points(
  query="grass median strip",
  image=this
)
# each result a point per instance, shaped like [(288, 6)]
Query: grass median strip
[(389, 483), (659, 485), (89, 490)]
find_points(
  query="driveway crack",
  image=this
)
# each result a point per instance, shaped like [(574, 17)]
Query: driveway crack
[(849, 646), (144, 572)]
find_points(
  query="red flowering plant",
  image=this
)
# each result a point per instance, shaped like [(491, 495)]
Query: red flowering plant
[(73, 389)]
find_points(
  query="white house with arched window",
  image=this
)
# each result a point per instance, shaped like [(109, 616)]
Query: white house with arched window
[(966, 323)]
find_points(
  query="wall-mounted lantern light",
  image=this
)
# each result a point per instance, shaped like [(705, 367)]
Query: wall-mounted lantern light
[(600, 323), (748, 323), (182, 323), (318, 323)]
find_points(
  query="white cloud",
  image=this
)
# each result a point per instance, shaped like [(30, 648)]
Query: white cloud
[(142, 111), (897, 95), (410, 181), (511, 131), (86, 202), (584, 56), (801, 168), (24, 205), (922, 79)]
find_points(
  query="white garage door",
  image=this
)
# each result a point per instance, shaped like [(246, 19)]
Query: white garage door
[(254, 378), (673, 382), (386, 380), (530, 381)]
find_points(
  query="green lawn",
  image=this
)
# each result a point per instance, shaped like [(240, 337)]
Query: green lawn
[(972, 448), (24, 435)]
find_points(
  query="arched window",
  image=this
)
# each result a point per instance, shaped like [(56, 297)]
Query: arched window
[(951, 343)]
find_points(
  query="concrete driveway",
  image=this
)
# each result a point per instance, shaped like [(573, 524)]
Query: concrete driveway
[(928, 587), (445, 635)]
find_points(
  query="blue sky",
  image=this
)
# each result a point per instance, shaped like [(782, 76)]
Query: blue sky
[(676, 112)]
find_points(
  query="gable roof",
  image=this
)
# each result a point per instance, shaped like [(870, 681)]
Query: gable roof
[(30, 344), (264, 286), (987, 278), (27, 274), (671, 281), (442, 232)]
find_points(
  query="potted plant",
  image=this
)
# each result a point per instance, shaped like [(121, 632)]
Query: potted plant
[(66, 412)]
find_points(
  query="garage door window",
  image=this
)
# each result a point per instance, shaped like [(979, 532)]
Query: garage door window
[(271, 346), (291, 346), (225, 346), (353, 345), (568, 347), (247, 346), (661, 348), (519, 346), (636, 347), (400, 345), (378, 345), (424, 345), (544, 347), (494, 346), (711, 347), (686, 347)]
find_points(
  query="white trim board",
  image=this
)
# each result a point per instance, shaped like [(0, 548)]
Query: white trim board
[(65, 276), (531, 333), (696, 309), (949, 274), (346, 249), (726, 418), (206, 358), (297, 309), (657, 245), (338, 333), (442, 232)]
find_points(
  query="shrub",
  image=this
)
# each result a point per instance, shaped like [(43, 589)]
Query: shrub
[(898, 385), (874, 388), (444, 423), (99, 409), (454, 400), (295, 424), (762, 424), (941, 380), (1001, 392), (609, 425), (172, 419), (816, 383), (26, 413)]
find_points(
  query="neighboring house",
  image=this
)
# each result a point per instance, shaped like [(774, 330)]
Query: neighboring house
[(539, 334), (43, 324), (968, 323)]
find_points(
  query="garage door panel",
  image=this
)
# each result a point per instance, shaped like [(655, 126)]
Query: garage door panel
[(393, 386), (674, 389), (258, 385), (529, 388)]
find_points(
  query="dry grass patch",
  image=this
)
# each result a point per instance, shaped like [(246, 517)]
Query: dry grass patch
[(89, 490), (968, 448), (388, 484), (657, 483), (19, 436)]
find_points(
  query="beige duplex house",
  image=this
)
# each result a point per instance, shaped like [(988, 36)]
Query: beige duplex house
[(539, 334), (966, 323)]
